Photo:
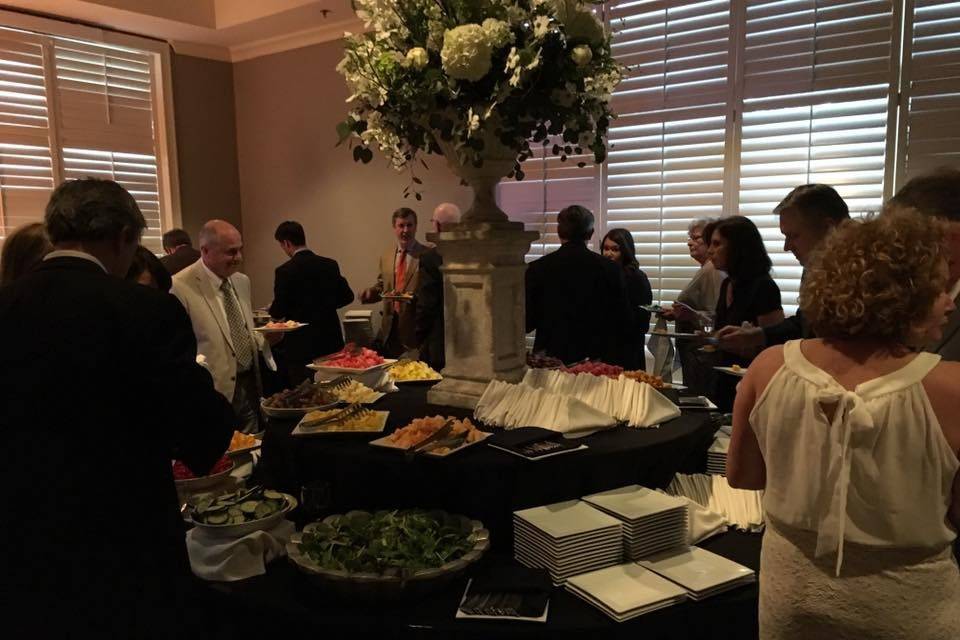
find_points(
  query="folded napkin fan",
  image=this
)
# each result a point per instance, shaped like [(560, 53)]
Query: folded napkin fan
[(227, 560), (520, 405)]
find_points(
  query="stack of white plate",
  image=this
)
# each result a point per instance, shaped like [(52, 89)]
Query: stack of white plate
[(652, 521), (626, 591), (701, 573), (566, 539), (717, 455)]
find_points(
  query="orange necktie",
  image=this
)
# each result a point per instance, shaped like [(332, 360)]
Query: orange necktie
[(398, 277)]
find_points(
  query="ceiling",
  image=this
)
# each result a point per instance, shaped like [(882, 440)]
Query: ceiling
[(231, 30)]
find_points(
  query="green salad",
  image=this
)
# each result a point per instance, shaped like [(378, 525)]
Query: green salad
[(388, 542)]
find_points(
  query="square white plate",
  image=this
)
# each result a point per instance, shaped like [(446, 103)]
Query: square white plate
[(326, 430), (626, 587), (568, 518), (386, 444), (324, 368), (634, 502), (696, 569)]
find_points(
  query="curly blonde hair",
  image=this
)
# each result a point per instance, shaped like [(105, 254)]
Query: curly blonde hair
[(877, 277)]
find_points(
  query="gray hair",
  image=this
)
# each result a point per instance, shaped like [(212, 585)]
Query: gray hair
[(700, 223), (446, 213), (90, 210)]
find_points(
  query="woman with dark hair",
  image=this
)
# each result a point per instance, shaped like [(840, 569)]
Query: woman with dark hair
[(147, 270), (618, 246), (23, 250), (747, 295)]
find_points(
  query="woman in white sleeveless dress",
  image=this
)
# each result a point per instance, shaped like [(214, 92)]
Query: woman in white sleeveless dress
[(855, 439)]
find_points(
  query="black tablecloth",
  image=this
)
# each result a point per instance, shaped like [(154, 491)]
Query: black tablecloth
[(479, 482), (283, 602)]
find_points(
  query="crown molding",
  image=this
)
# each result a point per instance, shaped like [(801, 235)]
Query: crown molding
[(200, 50), (296, 40)]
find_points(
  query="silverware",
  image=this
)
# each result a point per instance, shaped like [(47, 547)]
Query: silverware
[(439, 434), (335, 383), (352, 411)]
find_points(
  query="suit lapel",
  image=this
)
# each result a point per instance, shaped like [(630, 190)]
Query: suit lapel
[(209, 296)]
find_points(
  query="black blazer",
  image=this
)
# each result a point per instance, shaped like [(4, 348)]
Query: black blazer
[(429, 310), (576, 302), (180, 259), (309, 288), (99, 390), (639, 293)]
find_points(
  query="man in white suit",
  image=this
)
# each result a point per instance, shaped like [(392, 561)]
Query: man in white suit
[(217, 299)]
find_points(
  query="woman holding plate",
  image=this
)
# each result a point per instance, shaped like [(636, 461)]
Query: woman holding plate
[(747, 295)]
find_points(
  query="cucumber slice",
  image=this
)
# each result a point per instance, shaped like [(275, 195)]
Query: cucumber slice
[(249, 506), (217, 518), (272, 495), (264, 509)]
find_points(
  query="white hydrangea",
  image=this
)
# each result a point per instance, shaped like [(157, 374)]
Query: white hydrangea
[(466, 52), (417, 58), (498, 32), (541, 27)]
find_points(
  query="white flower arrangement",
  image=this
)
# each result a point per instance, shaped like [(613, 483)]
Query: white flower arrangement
[(460, 71)]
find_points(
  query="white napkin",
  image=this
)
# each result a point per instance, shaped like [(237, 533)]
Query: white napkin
[(520, 405), (227, 560), (637, 403), (742, 508)]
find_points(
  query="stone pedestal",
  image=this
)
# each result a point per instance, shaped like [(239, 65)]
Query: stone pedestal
[(484, 322)]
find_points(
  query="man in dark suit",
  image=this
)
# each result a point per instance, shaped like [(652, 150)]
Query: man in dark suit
[(428, 300), (576, 301), (179, 250), (307, 288), (807, 215), (100, 392), (937, 194)]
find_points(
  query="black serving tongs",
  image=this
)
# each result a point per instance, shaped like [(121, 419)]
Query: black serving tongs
[(424, 444)]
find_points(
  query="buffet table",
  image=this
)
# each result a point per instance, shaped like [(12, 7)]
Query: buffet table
[(479, 482), (286, 603)]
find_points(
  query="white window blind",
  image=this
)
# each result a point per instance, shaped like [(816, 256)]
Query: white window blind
[(729, 105), (817, 75), (667, 149), (549, 185), (71, 109), (933, 121), (26, 162)]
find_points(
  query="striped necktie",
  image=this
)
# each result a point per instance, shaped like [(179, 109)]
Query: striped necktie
[(239, 334)]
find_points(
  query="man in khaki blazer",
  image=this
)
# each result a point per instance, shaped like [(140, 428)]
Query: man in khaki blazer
[(230, 349), (398, 328)]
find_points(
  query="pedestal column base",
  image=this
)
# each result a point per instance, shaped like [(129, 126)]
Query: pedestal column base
[(484, 318)]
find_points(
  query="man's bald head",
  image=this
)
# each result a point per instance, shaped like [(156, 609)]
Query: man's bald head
[(445, 214), (221, 247)]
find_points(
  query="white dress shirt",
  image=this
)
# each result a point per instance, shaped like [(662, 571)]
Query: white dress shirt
[(217, 282), (70, 253)]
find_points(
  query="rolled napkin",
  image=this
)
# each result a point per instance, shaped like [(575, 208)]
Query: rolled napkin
[(228, 560)]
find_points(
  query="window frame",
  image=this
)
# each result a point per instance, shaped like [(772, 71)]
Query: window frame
[(46, 29)]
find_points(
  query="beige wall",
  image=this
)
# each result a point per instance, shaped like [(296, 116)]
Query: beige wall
[(206, 141), (287, 106)]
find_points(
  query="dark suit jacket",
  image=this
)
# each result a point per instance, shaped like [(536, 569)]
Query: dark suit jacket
[(948, 346), (576, 302), (792, 328), (309, 288), (99, 390), (180, 259), (429, 310), (639, 293)]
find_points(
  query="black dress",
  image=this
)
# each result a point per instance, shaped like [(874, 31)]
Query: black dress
[(752, 298), (639, 293)]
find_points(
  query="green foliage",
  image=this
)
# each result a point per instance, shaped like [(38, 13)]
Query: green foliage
[(388, 542)]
